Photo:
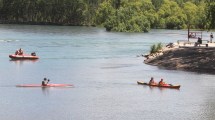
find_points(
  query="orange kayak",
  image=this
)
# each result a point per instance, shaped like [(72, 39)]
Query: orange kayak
[(156, 85)]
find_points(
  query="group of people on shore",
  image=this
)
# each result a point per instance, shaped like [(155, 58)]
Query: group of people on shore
[(160, 83)]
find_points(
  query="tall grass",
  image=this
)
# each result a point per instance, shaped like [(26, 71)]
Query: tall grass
[(156, 47), (153, 49), (159, 46)]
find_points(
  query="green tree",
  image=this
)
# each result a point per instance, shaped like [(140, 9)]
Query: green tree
[(116, 15), (105, 10), (191, 11), (131, 16), (171, 15), (201, 18), (210, 14), (157, 3)]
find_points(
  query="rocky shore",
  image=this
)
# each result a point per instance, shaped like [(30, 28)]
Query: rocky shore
[(196, 59)]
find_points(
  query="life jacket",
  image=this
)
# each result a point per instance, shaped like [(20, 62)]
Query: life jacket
[(161, 83), (43, 83)]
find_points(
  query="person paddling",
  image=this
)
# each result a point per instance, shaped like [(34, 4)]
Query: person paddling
[(45, 82), (151, 82), (161, 83)]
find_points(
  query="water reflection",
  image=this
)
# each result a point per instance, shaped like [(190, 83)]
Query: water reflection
[(162, 88), (20, 62), (152, 88), (45, 90)]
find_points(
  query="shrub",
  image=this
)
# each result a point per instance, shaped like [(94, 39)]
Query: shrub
[(153, 49), (159, 46), (156, 47)]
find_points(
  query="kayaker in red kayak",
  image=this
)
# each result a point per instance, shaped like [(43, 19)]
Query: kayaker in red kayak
[(162, 83), (152, 82), (45, 82)]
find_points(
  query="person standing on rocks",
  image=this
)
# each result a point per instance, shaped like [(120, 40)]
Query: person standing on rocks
[(211, 36)]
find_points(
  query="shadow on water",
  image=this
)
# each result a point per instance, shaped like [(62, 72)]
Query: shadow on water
[(46, 90)]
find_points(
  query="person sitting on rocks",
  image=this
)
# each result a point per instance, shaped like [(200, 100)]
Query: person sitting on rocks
[(198, 42)]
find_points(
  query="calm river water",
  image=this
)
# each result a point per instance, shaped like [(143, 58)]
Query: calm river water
[(104, 69)]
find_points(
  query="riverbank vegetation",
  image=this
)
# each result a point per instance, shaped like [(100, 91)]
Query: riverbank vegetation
[(114, 15), (156, 48)]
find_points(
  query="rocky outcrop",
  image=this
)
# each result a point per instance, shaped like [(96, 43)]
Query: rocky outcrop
[(190, 59)]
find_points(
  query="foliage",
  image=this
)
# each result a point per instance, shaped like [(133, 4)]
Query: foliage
[(190, 11), (159, 46), (210, 13), (74, 12), (114, 15), (141, 15), (155, 48), (171, 15), (131, 16), (104, 10)]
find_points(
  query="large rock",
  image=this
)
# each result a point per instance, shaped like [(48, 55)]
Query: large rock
[(190, 59)]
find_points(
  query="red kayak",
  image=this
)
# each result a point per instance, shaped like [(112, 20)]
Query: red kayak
[(48, 85), (156, 85), (23, 57)]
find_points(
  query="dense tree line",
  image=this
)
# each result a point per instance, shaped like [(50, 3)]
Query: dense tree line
[(114, 15), (71, 12), (141, 15)]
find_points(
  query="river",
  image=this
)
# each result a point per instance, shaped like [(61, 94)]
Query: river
[(104, 68)]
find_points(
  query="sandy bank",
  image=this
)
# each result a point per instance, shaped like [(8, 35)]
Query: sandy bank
[(195, 59)]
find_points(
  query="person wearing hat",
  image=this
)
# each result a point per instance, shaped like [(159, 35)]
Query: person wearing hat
[(45, 82)]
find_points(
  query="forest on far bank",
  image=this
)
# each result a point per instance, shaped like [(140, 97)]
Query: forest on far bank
[(114, 15)]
